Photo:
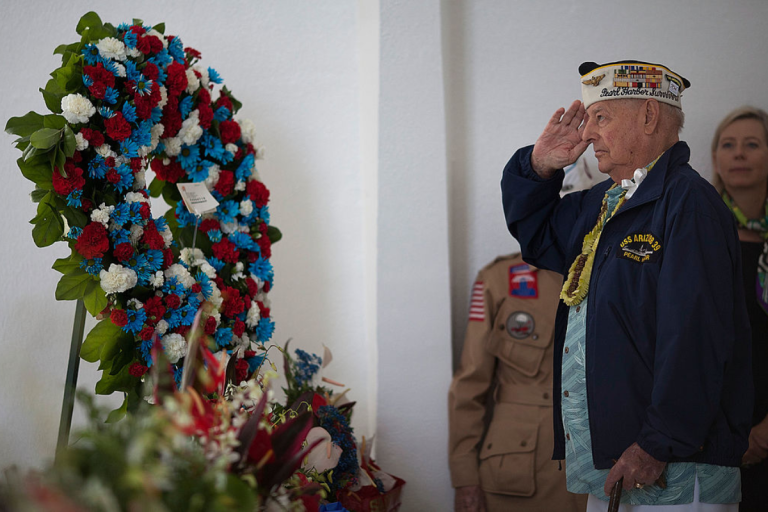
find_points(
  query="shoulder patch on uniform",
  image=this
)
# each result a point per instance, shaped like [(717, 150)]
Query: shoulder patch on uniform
[(477, 303), (640, 248), (522, 282)]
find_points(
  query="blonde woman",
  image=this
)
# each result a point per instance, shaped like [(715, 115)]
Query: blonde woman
[(740, 162)]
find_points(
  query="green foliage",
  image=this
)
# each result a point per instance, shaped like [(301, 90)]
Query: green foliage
[(274, 234), (48, 225), (102, 339)]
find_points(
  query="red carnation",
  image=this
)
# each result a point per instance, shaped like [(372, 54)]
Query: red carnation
[(73, 181), (93, 242), (266, 246), (172, 301), (206, 115), (253, 288), (137, 369), (203, 97), (209, 225), (226, 183), (226, 251), (241, 371), (197, 288), (224, 101), (263, 310), (138, 30), (152, 238), (145, 103), (258, 193), (87, 205), (113, 176), (167, 258), (170, 173), (154, 309), (239, 328), (233, 304), (77, 157), (146, 333), (144, 211), (176, 81), (155, 44), (101, 79), (183, 329), (210, 326), (142, 44), (230, 131), (252, 256), (267, 286), (151, 71), (123, 252), (136, 164), (171, 118), (119, 317), (94, 137), (117, 127), (193, 53)]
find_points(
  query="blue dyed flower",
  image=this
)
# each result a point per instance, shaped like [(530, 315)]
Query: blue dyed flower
[(87, 80), (173, 285), (121, 214), (129, 112), (221, 114), (223, 336), (130, 149), (227, 210), (214, 235), (120, 236), (136, 319), (90, 55), (135, 212), (185, 107), (262, 213), (183, 217), (162, 59), (74, 232), (262, 269), (188, 157), (111, 95), (156, 115), (305, 367), (92, 266), (131, 73), (242, 240), (161, 223), (154, 259), (264, 330), (193, 302), (142, 135), (178, 373), (126, 178), (176, 50), (73, 198), (205, 284), (212, 146), (130, 39), (106, 112), (187, 314), (97, 169), (200, 171), (244, 169), (173, 317), (143, 86), (213, 76), (146, 352), (216, 263)]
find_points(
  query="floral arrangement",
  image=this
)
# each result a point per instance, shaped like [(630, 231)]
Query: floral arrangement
[(125, 100)]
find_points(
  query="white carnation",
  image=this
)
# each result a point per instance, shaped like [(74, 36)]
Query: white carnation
[(117, 279), (213, 177), (204, 78), (120, 69), (81, 143), (260, 151), (136, 232), (208, 270), (105, 151), (254, 315), (190, 130), (111, 48), (172, 146), (157, 279), (101, 214), (231, 147), (181, 273), (135, 304), (229, 227), (190, 256), (167, 236), (240, 185), (215, 298), (76, 108), (139, 180), (163, 96), (133, 52), (175, 347), (246, 207), (161, 327), (156, 132), (247, 130), (193, 83), (135, 197)]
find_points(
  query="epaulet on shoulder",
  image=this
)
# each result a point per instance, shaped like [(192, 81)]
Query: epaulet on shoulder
[(507, 259)]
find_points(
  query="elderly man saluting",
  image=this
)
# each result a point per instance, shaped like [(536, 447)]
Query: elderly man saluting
[(652, 367)]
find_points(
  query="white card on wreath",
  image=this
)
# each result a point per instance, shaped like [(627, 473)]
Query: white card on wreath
[(197, 198)]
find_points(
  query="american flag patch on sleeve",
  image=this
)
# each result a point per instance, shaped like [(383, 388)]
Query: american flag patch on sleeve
[(477, 303)]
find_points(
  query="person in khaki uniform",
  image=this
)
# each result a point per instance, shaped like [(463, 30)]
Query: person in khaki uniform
[(507, 364)]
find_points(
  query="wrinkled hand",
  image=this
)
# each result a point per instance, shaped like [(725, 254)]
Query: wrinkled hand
[(758, 444), (560, 144), (470, 498), (636, 466)]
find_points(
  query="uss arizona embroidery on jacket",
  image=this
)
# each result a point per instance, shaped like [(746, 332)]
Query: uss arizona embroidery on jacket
[(640, 248)]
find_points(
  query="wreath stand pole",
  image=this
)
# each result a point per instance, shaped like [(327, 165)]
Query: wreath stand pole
[(73, 367)]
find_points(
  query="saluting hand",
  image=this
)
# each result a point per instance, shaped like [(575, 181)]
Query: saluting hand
[(560, 144)]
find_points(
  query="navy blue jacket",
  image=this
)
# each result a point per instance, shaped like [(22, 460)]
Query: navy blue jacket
[(668, 338)]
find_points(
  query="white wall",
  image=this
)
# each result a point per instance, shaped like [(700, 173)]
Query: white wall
[(387, 124)]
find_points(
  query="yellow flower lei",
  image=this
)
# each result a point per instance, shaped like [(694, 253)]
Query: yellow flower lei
[(577, 284)]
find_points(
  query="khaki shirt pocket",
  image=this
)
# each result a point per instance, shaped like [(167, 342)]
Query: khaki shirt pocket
[(508, 455), (521, 335)]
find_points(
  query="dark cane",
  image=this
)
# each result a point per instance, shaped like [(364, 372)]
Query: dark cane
[(613, 505)]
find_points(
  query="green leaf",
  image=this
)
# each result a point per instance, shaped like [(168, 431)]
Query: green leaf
[(68, 142), (119, 413), (48, 226), (54, 121), (90, 21), (73, 285), (38, 194), (29, 153), (38, 171), (25, 125), (104, 332), (123, 381), (156, 187), (52, 100), (67, 265), (274, 234), (236, 105), (171, 194), (160, 27), (95, 299), (75, 217), (45, 138)]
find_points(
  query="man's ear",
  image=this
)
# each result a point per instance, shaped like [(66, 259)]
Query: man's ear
[(651, 111)]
